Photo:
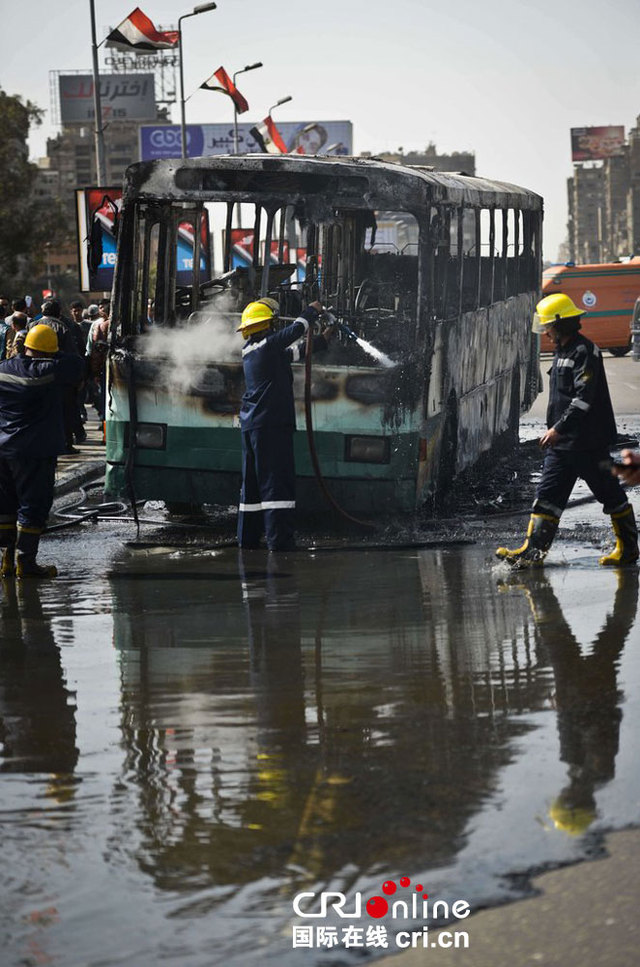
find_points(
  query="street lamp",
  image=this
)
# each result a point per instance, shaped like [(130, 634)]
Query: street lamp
[(201, 8), (249, 67), (283, 100)]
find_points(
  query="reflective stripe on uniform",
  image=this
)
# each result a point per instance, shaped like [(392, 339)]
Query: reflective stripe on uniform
[(580, 404), (563, 363), (29, 530), (267, 505), (27, 380), (252, 346)]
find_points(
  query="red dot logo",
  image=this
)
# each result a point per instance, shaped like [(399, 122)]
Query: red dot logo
[(389, 887), (405, 881), (377, 907)]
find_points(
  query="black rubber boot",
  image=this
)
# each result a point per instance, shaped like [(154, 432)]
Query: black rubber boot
[(626, 533), (28, 568), (540, 534)]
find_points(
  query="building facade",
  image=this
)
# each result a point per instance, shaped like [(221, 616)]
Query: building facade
[(604, 205)]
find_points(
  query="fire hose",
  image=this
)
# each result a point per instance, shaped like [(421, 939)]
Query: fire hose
[(311, 439)]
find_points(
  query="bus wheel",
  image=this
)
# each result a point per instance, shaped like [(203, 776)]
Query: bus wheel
[(619, 350)]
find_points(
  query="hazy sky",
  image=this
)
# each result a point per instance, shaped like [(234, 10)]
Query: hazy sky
[(506, 80)]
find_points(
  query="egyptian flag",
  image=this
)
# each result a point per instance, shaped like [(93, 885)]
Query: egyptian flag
[(220, 81), (138, 33), (268, 137)]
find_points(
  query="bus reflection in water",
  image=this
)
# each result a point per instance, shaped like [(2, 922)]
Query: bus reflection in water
[(432, 277)]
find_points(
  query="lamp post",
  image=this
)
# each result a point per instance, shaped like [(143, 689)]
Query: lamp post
[(283, 100), (97, 106), (201, 8), (249, 67)]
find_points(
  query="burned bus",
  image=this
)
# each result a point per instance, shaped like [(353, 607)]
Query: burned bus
[(431, 278)]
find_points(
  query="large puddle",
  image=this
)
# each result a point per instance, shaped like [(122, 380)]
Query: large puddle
[(190, 740)]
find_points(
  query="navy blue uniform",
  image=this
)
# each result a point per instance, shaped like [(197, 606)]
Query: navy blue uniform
[(268, 421), (31, 437), (580, 410)]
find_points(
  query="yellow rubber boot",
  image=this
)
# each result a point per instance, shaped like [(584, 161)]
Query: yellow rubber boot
[(540, 533), (626, 534), (8, 565)]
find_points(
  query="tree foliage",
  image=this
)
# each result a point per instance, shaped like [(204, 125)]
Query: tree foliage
[(26, 222)]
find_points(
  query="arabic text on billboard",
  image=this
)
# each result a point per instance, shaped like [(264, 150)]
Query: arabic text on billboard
[(595, 144), (129, 97), (203, 140)]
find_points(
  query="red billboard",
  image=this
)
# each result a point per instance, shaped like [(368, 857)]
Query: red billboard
[(596, 144)]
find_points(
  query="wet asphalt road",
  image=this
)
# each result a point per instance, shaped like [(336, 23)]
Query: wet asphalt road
[(191, 737)]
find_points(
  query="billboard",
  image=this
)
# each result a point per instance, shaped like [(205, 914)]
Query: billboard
[(96, 215), (203, 140), (242, 241), (128, 97), (595, 144), (97, 211)]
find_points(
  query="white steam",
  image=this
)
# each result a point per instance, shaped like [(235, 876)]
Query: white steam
[(208, 336)]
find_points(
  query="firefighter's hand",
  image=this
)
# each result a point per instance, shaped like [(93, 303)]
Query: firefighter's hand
[(316, 305), (630, 473), (549, 439)]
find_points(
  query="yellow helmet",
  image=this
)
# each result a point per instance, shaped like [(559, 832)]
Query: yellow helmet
[(554, 308), (41, 338), (256, 317), (571, 820)]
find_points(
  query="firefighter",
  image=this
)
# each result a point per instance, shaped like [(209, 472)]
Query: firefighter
[(31, 437), (581, 428), (268, 421)]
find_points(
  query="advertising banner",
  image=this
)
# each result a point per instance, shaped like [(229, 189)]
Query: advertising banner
[(242, 240), (184, 257), (97, 211), (204, 140), (96, 215), (241, 248), (595, 144), (129, 97)]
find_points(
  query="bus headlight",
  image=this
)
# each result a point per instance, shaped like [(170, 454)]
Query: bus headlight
[(151, 436), (367, 449)]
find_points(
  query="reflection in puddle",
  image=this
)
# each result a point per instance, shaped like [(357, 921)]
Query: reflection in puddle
[(298, 723)]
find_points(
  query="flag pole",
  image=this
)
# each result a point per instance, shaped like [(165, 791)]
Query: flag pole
[(97, 105), (249, 67)]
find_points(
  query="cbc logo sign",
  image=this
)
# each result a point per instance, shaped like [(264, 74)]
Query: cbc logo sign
[(166, 138), (589, 299)]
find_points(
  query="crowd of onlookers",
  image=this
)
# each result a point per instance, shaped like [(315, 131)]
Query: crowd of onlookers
[(82, 332)]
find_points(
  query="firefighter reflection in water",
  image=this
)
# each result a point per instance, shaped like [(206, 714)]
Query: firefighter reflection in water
[(37, 711), (586, 694), (268, 421)]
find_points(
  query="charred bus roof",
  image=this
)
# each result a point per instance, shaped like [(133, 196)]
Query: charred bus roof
[(347, 182)]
